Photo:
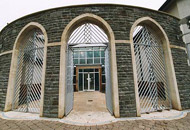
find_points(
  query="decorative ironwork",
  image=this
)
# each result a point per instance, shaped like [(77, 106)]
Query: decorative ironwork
[(27, 93), (108, 82), (151, 74), (69, 81), (88, 34)]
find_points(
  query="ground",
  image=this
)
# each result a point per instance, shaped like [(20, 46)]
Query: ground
[(90, 108), (180, 124)]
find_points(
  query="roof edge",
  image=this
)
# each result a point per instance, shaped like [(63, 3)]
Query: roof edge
[(69, 6), (166, 5)]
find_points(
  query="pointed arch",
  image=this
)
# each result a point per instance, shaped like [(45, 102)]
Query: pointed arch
[(12, 75), (170, 72), (65, 35)]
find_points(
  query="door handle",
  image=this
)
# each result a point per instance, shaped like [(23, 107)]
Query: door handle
[(89, 79)]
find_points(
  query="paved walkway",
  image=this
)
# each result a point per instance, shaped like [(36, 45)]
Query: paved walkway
[(89, 107), (179, 124)]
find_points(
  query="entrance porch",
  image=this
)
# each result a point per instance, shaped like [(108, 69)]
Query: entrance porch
[(89, 107)]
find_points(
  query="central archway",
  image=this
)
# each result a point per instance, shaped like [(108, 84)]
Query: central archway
[(76, 22)]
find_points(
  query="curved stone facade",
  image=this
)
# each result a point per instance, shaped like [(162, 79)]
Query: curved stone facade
[(120, 18)]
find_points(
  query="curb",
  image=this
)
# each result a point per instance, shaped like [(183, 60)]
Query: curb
[(182, 114)]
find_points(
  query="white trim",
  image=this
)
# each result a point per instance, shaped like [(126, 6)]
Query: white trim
[(54, 44), (6, 52), (122, 41), (178, 47)]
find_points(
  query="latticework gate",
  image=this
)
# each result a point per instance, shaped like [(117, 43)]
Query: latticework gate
[(28, 80), (69, 82), (151, 73), (108, 82)]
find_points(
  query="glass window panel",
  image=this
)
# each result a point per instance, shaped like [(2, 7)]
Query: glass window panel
[(103, 70), (97, 81), (89, 48), (85, 82), (74, 79), (103, 88), (92, 81), (102, 54), (75, 61), (76, 54), (74, 70), (89, 61), (80, 82), (74, 87), (96, 54), (82, 61), (96, 70), (103, 79), (102, 60), (89, 54), (97, 60), (82, 54), (96, 48), (83, 49), (76, 49), (80, 70), (88, 70), (102, 48)]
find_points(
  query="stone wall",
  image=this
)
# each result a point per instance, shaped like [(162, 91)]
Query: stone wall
[(51, 93), (120, 18), (127, 100), (5, 62), (182, 71)]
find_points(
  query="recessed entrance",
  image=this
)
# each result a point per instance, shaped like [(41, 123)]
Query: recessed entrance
[(89, 107), (88, 68)]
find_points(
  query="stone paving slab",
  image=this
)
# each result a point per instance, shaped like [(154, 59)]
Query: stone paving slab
[(179, 124)]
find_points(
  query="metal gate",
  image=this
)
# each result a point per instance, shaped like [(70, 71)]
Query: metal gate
[(27, 92), (109, 102), (69, 82), (151, 73), (87, 35)]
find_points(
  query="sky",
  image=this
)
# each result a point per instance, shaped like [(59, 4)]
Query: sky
[(11, 10)]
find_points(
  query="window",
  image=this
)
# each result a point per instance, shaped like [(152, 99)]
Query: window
[(89, 55)]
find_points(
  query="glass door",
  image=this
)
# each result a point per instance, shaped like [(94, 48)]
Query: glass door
[(91, 81), (88, 80)]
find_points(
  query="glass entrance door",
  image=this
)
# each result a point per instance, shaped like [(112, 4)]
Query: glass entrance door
[(85, 82), (88, 80), (91, 82)]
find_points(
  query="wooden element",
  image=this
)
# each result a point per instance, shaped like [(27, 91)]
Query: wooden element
[(89, 67)]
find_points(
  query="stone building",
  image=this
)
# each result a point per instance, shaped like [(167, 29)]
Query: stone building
[(179, 9), (129, 53)]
